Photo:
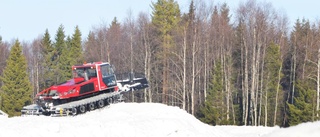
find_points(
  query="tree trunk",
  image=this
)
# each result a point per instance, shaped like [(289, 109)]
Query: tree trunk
[(261, 86), (266, 107), (305, 56), (253, 81), (246, 86), (205, 70), (165, 70), (131, 61), (184, 69), (37, 76), (108, 52), (318, 84), (293, 73), (226, 74), (276, 106), (193, 76), (147, 64), (233, 113)]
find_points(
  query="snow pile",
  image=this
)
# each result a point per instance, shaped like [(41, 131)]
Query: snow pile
[(2, 114), (246, 131), (310, 129), (138, 120), (118, 120)]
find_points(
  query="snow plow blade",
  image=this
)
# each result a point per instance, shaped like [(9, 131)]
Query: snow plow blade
[(131, 82)]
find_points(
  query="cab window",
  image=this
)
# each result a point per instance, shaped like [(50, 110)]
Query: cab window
[(106, 71)]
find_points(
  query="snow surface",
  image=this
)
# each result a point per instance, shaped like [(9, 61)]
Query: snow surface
[(139, 120), (2, 114)]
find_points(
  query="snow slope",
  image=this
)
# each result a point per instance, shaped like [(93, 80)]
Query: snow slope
[(310, 129), (138, 120)]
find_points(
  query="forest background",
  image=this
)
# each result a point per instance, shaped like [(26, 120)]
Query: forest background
[(248, 71)]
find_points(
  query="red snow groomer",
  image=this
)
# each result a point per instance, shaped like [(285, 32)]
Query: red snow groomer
[(94, 85)]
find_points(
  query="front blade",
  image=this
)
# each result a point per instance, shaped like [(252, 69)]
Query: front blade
[(130, 83)]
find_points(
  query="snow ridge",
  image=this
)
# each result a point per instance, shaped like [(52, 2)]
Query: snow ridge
[(139, 120)]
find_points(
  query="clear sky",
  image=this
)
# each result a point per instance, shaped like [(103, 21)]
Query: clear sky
[(28, 19)]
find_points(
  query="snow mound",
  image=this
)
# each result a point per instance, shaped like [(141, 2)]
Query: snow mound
[(2, 114), (310, 129), (117, 120), (246, 131), (139, 120)]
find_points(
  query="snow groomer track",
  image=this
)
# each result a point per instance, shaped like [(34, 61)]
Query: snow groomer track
[(88, 104)]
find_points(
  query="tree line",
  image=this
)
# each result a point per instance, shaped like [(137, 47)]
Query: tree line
[(241, 68)]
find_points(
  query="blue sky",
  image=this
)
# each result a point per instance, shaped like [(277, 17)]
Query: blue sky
[(28, 19)]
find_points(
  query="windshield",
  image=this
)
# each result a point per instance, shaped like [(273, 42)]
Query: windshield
[(80, 72), (106, 71)]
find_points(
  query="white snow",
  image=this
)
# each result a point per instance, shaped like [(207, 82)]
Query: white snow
[(139, 120), (2, 114)]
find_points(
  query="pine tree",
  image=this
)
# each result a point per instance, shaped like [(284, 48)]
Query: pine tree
[(274, 95), (47, 62), (59, 59), (17, 89), (212, 111), (76, 48), (71, 54), (303, 107), (60, 43), (65, 61), (165, 17)]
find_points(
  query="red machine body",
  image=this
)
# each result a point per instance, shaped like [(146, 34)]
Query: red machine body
[(94, 85), (88, 79)]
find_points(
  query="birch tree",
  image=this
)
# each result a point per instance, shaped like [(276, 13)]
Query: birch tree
[(145, 41)]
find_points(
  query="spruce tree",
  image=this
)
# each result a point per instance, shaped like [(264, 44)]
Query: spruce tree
[(303, 107), (212, 111), (71, 54), (165, 18), (16, 89), (166, 15), (76, 48), (60, 43), (65, 61), (273, 66), (47, 61), (59, 58)]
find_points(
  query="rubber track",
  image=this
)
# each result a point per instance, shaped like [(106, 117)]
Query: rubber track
[(68, 108)]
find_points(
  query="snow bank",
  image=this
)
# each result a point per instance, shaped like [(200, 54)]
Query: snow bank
[(118, 120), (246, 131), (2, 114), (138, 120), (311, 129)]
